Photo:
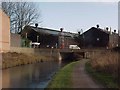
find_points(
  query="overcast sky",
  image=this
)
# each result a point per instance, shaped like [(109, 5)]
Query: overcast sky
[(78, 15)]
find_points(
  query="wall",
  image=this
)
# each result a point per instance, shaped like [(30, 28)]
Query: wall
[(54, 53), (0, 30), (69, 41), (119, 41), (15, 40), (113, 40), (4, 32)]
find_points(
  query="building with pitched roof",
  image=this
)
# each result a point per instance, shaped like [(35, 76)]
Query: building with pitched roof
[(96, 38), (48, 37)]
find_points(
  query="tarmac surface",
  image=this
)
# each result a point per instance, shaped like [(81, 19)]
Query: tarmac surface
[(81, 79)]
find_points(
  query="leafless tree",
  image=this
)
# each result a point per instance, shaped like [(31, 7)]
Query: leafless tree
[(21, 14)]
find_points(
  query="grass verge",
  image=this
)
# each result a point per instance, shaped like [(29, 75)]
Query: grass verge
[(62, 79), (105, 79), (12, 59)]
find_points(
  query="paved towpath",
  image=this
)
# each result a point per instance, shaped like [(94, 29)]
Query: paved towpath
[(81, 79)]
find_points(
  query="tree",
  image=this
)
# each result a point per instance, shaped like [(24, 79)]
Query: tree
[(21, 14)]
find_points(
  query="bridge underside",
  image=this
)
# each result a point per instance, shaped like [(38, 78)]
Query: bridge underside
[(69, 56)]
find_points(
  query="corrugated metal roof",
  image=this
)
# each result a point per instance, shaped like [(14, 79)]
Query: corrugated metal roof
[(52, 32)]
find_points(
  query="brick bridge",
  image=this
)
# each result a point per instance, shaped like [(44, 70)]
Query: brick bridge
[(72, 54), (66, 54)]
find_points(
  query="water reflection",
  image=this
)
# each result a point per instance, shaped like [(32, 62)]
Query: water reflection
[(29, 76)]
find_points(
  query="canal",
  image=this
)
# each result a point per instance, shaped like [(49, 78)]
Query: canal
[(30, 76)]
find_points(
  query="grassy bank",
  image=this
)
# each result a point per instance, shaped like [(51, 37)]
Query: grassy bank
[(104, 68), (62, 78), (12, 59), (104, 78)]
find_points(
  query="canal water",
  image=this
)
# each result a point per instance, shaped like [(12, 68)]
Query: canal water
[(30, 76)]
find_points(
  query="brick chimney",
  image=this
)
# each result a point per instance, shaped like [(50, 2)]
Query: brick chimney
[(61, 29), (114, 31), (36, 25)]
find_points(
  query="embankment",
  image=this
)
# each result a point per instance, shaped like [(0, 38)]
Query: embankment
[(104, 67), (62, 78), (23, 56), (12, 59)]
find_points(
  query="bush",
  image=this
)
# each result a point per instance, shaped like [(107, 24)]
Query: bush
[(25, 42)]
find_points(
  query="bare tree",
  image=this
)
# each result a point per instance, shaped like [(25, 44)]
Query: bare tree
[(21, 14)]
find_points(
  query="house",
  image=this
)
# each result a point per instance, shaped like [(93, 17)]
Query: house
[(4, 32), (49, 38), (98, 38)]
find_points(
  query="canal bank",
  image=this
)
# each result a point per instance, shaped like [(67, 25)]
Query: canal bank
[(22, 56), (29, 70), (13, 59), (62, 79)]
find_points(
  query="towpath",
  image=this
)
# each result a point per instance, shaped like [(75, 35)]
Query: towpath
[(81, 79)]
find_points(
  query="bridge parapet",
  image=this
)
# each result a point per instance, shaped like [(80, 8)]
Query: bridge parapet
[(84, 53), (82, 50)]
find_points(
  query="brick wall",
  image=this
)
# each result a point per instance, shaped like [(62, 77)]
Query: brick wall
[(69, 41), (113, 40), (45, 52), (15, 40)]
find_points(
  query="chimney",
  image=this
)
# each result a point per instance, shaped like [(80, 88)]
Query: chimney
[(114, 31), (110, 31), (97, 25), (107, 28), (36, 25), (79, 32), (61, 29)]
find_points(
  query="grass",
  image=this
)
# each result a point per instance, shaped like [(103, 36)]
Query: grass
[(12, 59), (62, 78), (104, 78), (106, 62)]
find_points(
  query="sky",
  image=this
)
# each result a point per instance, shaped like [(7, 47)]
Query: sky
[(74, 16)]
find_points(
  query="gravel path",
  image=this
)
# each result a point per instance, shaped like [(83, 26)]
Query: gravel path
[(81, 79)]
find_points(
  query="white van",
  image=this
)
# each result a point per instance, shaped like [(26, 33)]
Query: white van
[(74, 47)]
